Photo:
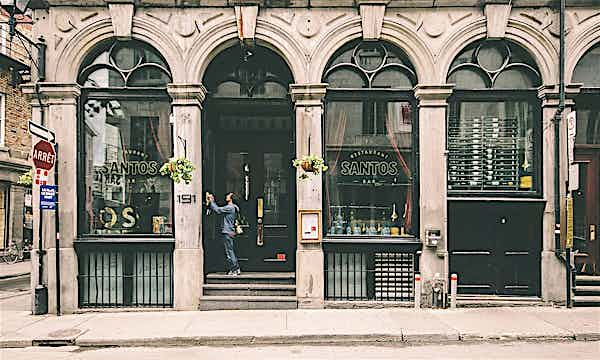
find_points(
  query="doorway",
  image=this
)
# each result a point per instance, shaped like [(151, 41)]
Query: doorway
[(248, 147)]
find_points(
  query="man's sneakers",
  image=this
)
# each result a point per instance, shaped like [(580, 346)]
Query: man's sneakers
[(234, 272)]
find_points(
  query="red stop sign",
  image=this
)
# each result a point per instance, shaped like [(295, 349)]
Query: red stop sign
[(43, 155)]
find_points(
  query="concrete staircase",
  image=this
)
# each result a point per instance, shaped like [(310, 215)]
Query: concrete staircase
[(257, 291), (587, 291)]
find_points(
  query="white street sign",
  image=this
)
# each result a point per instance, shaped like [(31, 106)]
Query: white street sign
[(571, 134), (42, 132)]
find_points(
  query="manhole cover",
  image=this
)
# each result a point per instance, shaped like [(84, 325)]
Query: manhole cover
[(64, 333)]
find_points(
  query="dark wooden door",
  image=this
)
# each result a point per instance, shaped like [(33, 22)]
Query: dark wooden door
[(257, 167), (495, 247), (586, 212)]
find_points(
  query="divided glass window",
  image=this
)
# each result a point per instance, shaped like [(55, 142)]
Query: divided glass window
[(493, 133), (370, 184), (125, 139)]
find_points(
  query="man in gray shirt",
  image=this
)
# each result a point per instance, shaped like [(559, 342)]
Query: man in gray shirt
[(229, 212)]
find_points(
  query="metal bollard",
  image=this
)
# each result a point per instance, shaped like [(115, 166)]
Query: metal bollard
[(417, 291), (453, 289)]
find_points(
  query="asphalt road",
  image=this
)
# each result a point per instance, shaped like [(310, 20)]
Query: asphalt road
[(13, 293), (522, 351)]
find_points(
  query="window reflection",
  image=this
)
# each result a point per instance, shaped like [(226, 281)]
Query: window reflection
[(126, 143)]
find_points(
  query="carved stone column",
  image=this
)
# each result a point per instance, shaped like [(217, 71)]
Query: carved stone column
[(188, 257), (553, 270), (433, 205), (308, 101), (60, 101)]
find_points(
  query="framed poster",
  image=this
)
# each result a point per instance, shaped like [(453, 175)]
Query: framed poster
[(309, 226)]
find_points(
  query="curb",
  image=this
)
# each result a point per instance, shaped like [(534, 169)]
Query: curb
[(316, 339), (10, 276)]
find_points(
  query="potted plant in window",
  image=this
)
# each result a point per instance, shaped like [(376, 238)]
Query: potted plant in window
[(310, 164), (178, 169)]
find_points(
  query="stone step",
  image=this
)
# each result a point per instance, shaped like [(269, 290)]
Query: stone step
[(288, 278), (497, 301), (587, 280), (587, 290), (248, 302), (249, 290), (581, 301)]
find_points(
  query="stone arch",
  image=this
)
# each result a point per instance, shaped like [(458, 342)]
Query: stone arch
[(89, 37), (578, 47), (541, 49), (416, 50), (224, 35)]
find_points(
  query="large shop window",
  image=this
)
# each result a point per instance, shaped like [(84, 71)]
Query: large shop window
[(126, 137), (369, 125), (494, 122)]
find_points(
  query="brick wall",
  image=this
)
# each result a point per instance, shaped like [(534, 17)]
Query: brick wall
[(18, 112)]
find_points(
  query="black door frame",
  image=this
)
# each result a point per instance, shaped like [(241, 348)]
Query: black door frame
[(211, 136)]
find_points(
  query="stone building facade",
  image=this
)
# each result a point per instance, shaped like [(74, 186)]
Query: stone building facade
[(15, 142), (391, 93)]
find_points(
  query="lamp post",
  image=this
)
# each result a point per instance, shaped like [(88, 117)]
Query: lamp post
[(14, 7)]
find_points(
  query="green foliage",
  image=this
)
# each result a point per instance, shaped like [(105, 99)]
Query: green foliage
[(178, 169), (310, 164), (26, 179)]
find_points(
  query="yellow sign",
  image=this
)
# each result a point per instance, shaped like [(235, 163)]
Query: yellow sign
[(569, 222)]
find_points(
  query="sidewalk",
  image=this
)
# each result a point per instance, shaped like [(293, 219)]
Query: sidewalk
[(169, 328), (13, 270)]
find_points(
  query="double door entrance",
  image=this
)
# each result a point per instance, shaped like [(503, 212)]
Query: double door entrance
[(251, 156)]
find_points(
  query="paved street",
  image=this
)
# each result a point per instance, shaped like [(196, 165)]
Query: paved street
[(522, 351)]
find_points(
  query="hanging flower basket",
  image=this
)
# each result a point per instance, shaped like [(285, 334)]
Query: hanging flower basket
[(178, 169), (26, 179), (310, 164)]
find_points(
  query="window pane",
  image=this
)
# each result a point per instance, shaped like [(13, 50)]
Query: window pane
[(277, 200), (345, 78), (587, 70), (469, 78), (392, 78), (369, 181), (149, 76), (104, 78), (514, 79), (588, 124), (492, 146), (126, 143)]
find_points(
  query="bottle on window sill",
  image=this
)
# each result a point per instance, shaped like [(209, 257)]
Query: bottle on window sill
[(395, 229)]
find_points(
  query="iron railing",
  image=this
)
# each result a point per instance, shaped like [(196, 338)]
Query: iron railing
[(125, 275), (366, 273)]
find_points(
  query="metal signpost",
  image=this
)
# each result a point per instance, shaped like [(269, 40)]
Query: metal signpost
[(45, 154)]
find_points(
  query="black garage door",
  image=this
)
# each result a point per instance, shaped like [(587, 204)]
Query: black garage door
[(495, 247)]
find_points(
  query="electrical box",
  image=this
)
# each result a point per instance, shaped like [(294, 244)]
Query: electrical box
[(433, 237)]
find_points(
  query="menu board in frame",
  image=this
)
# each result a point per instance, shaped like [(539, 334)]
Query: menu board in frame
[(309, 226)]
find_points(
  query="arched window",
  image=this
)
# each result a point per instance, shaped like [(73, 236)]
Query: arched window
[(125, 137), (263, 75), (494, 121), (587, 72), (369, 147)]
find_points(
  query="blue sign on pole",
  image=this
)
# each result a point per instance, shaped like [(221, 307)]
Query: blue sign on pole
[(48, 197)]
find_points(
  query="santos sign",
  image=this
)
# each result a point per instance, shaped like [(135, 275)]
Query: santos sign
[(366, 166)]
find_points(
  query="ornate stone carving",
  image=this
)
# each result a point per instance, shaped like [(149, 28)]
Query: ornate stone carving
[(65, 23), (161, 16), (184, 26), (497, 19), (435, 24), (548, 20), (246, 17), (308, 25), (372, 20), (121, 16), (286, 17)]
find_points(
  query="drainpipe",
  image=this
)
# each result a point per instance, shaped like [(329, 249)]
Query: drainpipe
[(557, 119)]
